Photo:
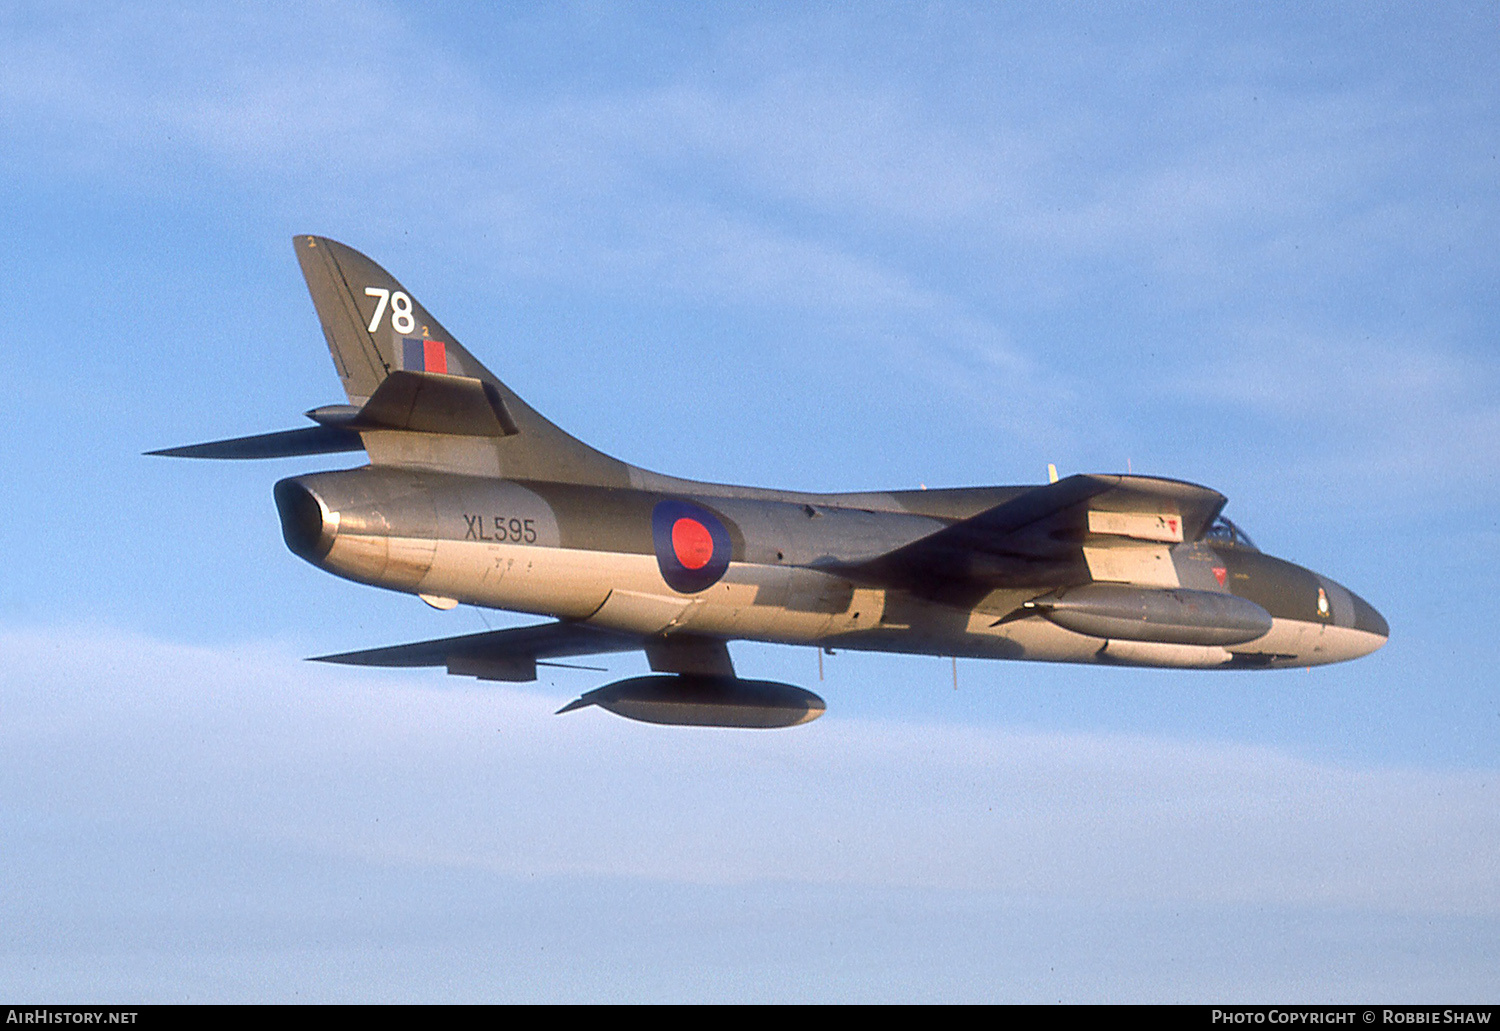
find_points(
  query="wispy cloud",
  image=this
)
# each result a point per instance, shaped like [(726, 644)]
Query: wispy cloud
[(1050, 229), (1211, 164), (446, 774), (1393, 419)]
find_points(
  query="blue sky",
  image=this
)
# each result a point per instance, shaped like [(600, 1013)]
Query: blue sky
[(808, 246)]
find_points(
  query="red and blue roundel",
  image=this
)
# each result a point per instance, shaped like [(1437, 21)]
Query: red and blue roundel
[(692, 546)]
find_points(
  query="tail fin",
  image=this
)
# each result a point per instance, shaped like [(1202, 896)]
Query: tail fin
[(375, 327)]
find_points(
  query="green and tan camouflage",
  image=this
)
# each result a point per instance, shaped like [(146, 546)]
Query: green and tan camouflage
[(471, 496)]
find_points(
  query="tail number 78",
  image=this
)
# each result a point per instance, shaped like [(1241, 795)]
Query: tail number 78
[(402, 319)]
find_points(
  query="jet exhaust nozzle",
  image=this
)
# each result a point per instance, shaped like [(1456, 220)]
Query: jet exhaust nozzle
[(1161, 616), (692, 700), (306, 524)]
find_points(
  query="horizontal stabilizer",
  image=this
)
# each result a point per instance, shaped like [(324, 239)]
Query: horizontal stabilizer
[(496, 654), (407, 402), (313, 440)]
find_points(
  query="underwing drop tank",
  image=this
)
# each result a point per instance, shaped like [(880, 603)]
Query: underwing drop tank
[(692, 700), (1175, 616)]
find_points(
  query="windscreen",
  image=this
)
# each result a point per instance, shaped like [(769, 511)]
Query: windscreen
[(1225, 532)]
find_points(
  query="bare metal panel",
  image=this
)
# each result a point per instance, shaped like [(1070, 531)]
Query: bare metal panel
[(1132, 563)]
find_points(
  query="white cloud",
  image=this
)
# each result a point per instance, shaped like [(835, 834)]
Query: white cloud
[(937, 222), (252, 746), (366, 95), (1398, 417), (672, 191)]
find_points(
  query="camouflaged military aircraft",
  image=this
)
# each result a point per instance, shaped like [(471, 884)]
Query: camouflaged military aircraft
[(470, 496)]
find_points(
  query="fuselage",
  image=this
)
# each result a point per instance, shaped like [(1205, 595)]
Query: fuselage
[(678, 557)]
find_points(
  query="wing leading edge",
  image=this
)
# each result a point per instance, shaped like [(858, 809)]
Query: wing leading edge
[(514, 654), (510, 655), (1040, 538)]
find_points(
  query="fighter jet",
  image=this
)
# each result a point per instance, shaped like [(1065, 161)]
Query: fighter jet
[(470, 496)]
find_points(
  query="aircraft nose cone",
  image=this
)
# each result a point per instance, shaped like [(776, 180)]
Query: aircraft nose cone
[(1369, 620)]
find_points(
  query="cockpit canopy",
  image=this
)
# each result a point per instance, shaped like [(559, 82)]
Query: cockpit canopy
[(1225, 532)]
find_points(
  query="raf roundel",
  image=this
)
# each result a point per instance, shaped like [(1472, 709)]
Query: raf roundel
[(692, 545)]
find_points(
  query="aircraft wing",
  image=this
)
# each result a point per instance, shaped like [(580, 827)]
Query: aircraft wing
[(497, 654), (1059, 534)]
